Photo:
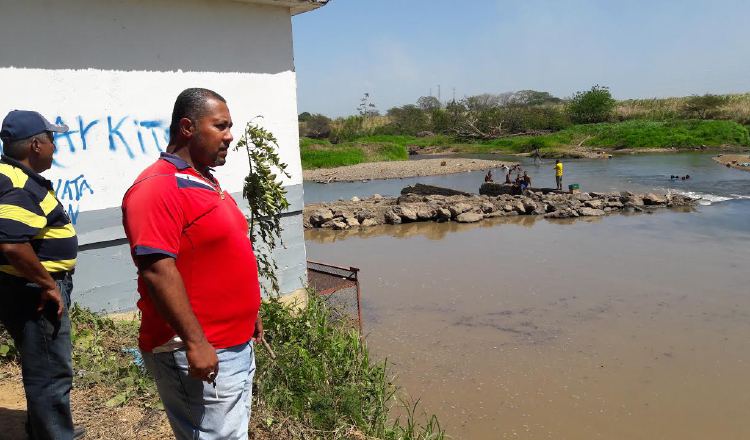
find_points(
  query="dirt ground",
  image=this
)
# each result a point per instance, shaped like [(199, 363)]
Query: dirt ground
[(131, 421), (400, 169), (734, 160)]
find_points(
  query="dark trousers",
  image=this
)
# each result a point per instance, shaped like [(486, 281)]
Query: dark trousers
[(44, 345)]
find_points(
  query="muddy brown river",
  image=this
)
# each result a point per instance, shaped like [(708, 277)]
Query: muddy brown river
[(624, 327)]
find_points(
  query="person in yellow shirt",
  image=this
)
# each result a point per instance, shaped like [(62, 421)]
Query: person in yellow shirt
[(558, 174)]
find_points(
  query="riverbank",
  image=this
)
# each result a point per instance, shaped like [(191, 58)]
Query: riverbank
[(407, 208), (578, 141), (400, 169), (738, 161)]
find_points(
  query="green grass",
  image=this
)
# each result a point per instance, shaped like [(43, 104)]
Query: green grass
[(633, 134), (323, 154), (630, 134), (323, 376), (329, 157)]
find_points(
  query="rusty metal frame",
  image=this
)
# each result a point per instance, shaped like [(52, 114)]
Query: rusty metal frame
[(352, 280)]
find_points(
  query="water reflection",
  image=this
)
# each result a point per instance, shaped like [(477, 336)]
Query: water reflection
[(429, 230)]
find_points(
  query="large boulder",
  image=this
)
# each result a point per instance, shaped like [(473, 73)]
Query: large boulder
[(528, 205), (392, 218), (595, 204), (443, 214), (469, 217), (496, 189), (459, 208), (430, 190), (321, 216), (426, 213), (364, 214), (652, 199), (407, 213), (335, 224), (369, 222), (590, 212), (351, 222), (488, 207)]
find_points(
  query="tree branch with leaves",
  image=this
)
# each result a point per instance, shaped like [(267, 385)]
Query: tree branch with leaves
[(265, 195)]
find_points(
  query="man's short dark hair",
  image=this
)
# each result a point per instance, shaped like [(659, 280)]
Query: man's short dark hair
[(18, 149), (191, 104)]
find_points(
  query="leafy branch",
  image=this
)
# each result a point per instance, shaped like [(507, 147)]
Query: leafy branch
[(265, 195)]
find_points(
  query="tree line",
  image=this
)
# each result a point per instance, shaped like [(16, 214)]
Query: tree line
[(491, 116)]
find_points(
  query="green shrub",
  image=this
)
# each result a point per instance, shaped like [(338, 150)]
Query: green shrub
[(591, 106), (324, 377), (704, 107), (347, 129)]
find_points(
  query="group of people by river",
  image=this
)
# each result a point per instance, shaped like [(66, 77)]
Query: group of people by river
[(522, 180)]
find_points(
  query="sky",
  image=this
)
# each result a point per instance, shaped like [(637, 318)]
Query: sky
[(399, 50)]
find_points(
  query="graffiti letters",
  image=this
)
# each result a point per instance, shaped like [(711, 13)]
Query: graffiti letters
[(123, 136), (70, 192)]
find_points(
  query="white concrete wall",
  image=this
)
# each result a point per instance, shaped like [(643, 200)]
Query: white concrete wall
[(111, 70)]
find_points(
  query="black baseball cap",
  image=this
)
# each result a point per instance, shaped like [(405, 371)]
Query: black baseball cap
[(22, 124)]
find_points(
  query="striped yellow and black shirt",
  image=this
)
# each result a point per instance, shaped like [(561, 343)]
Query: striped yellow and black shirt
[(30, 212)]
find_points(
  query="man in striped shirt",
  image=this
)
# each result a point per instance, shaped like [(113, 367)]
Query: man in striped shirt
[(38, 249)]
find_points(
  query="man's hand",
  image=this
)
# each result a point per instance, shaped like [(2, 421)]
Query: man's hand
[(23, 258), (167, 291), (202, 361), (258, 333), (51, 295)]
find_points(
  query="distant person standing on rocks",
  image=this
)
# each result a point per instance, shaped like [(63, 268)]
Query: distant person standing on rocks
[(558, 174), (525, 181)]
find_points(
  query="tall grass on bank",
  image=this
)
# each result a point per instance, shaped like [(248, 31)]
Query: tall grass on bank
[(735, 108), (322, 154), (322, 384), (324, 377), (634, 134)]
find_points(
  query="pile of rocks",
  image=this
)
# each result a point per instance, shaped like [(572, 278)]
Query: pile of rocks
[(378, 210)]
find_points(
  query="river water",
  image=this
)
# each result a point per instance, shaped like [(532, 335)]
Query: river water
[(622, 327)]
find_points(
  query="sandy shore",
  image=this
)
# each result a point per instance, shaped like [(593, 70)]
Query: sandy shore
[(400, 169), (734, 161)]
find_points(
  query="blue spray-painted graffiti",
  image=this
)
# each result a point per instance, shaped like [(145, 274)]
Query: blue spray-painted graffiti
[(122, 134), (89, 141), (70, 192)]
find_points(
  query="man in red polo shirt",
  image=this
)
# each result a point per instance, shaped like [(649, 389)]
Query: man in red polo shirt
[(197, 276)]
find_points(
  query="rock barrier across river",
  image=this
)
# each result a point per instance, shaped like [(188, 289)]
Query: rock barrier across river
[(378, 210)]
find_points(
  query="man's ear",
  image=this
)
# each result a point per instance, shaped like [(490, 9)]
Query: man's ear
[(187, 128), (35, 146)]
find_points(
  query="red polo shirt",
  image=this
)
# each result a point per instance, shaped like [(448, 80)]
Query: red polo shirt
[(173, 210)]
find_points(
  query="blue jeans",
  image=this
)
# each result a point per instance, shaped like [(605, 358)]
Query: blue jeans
[(192, 406), (43, 343)]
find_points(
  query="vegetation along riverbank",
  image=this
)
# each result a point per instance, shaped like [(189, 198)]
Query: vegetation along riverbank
[(589, 124), (322, 383)]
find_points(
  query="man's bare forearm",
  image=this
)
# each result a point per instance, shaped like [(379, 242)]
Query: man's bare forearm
[(24, 260), (167, 291)]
